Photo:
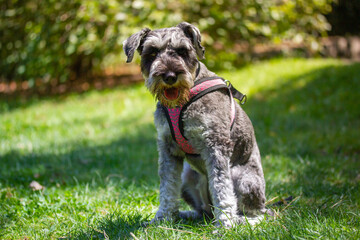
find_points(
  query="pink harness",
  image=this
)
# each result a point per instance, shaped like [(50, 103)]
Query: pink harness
[(200, 88)]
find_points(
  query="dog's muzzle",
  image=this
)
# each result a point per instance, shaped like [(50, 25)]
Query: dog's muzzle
[(171, 94), (170, 78)]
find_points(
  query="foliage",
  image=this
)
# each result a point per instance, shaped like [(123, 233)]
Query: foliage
[(230, 24), (68, 39), (96, 156), (55, 38)]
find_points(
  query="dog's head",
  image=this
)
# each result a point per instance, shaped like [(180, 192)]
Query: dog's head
[(169, 60)]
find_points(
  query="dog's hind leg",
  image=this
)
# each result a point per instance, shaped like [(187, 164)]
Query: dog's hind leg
[(195, 192), (249, 187)]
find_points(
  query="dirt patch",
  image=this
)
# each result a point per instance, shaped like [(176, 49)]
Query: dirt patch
[(123, 76)]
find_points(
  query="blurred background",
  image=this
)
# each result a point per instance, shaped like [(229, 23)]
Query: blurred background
[(56, 46)]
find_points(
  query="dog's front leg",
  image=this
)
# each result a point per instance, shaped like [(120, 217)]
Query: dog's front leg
[(170, 168), (221, 188)]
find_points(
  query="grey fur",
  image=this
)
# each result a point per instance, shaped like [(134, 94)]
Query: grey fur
[(227, 180), (134, 43)]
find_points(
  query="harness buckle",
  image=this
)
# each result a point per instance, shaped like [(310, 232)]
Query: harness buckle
[(243, 99), (227, 82), (236, 94)]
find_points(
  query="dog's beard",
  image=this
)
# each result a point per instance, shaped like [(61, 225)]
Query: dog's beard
[(157, 88)]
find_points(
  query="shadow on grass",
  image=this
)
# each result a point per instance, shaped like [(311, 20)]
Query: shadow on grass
[(129, 158), (113, 226), (312, 124)]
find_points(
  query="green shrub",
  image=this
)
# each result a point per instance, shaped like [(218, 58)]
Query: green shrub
[(231, 23), (54, 39), (66, 39)]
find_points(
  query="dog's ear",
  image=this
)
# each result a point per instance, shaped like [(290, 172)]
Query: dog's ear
[(193, 34), (134, 42)]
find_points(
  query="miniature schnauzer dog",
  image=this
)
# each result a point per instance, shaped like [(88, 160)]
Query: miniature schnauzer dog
[(224, 180)]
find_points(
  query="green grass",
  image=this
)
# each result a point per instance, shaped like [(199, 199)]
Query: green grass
[(95, 154)]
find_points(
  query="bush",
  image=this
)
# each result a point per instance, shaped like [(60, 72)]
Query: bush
[(231, 24), (66, 39), (54, 39)]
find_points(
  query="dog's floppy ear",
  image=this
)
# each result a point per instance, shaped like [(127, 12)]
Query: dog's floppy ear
[(193, 34), (134, 43)]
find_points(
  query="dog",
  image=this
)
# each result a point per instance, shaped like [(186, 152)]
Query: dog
[(221, 176)]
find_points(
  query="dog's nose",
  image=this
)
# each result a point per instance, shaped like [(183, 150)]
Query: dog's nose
[(170, 78)]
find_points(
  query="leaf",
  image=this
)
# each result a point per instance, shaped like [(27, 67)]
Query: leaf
[(35, 186)]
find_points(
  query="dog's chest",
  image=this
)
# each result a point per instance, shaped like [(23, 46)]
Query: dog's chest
[(197, 163)]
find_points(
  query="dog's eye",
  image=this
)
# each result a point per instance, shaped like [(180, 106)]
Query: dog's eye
[(153, 52), (181, 51)]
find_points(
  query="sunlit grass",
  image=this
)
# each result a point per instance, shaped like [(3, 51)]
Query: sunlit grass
[(95, 154)]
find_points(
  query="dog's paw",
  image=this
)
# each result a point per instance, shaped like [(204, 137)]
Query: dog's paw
[(225, 221), (155, 220), (190, 215), (160, 217), (270, 213), (252, 220)]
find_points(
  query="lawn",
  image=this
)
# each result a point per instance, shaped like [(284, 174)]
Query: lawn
[(95, 156)]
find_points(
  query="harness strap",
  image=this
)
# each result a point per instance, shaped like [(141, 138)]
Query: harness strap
[(201, 88), (173, 115)]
